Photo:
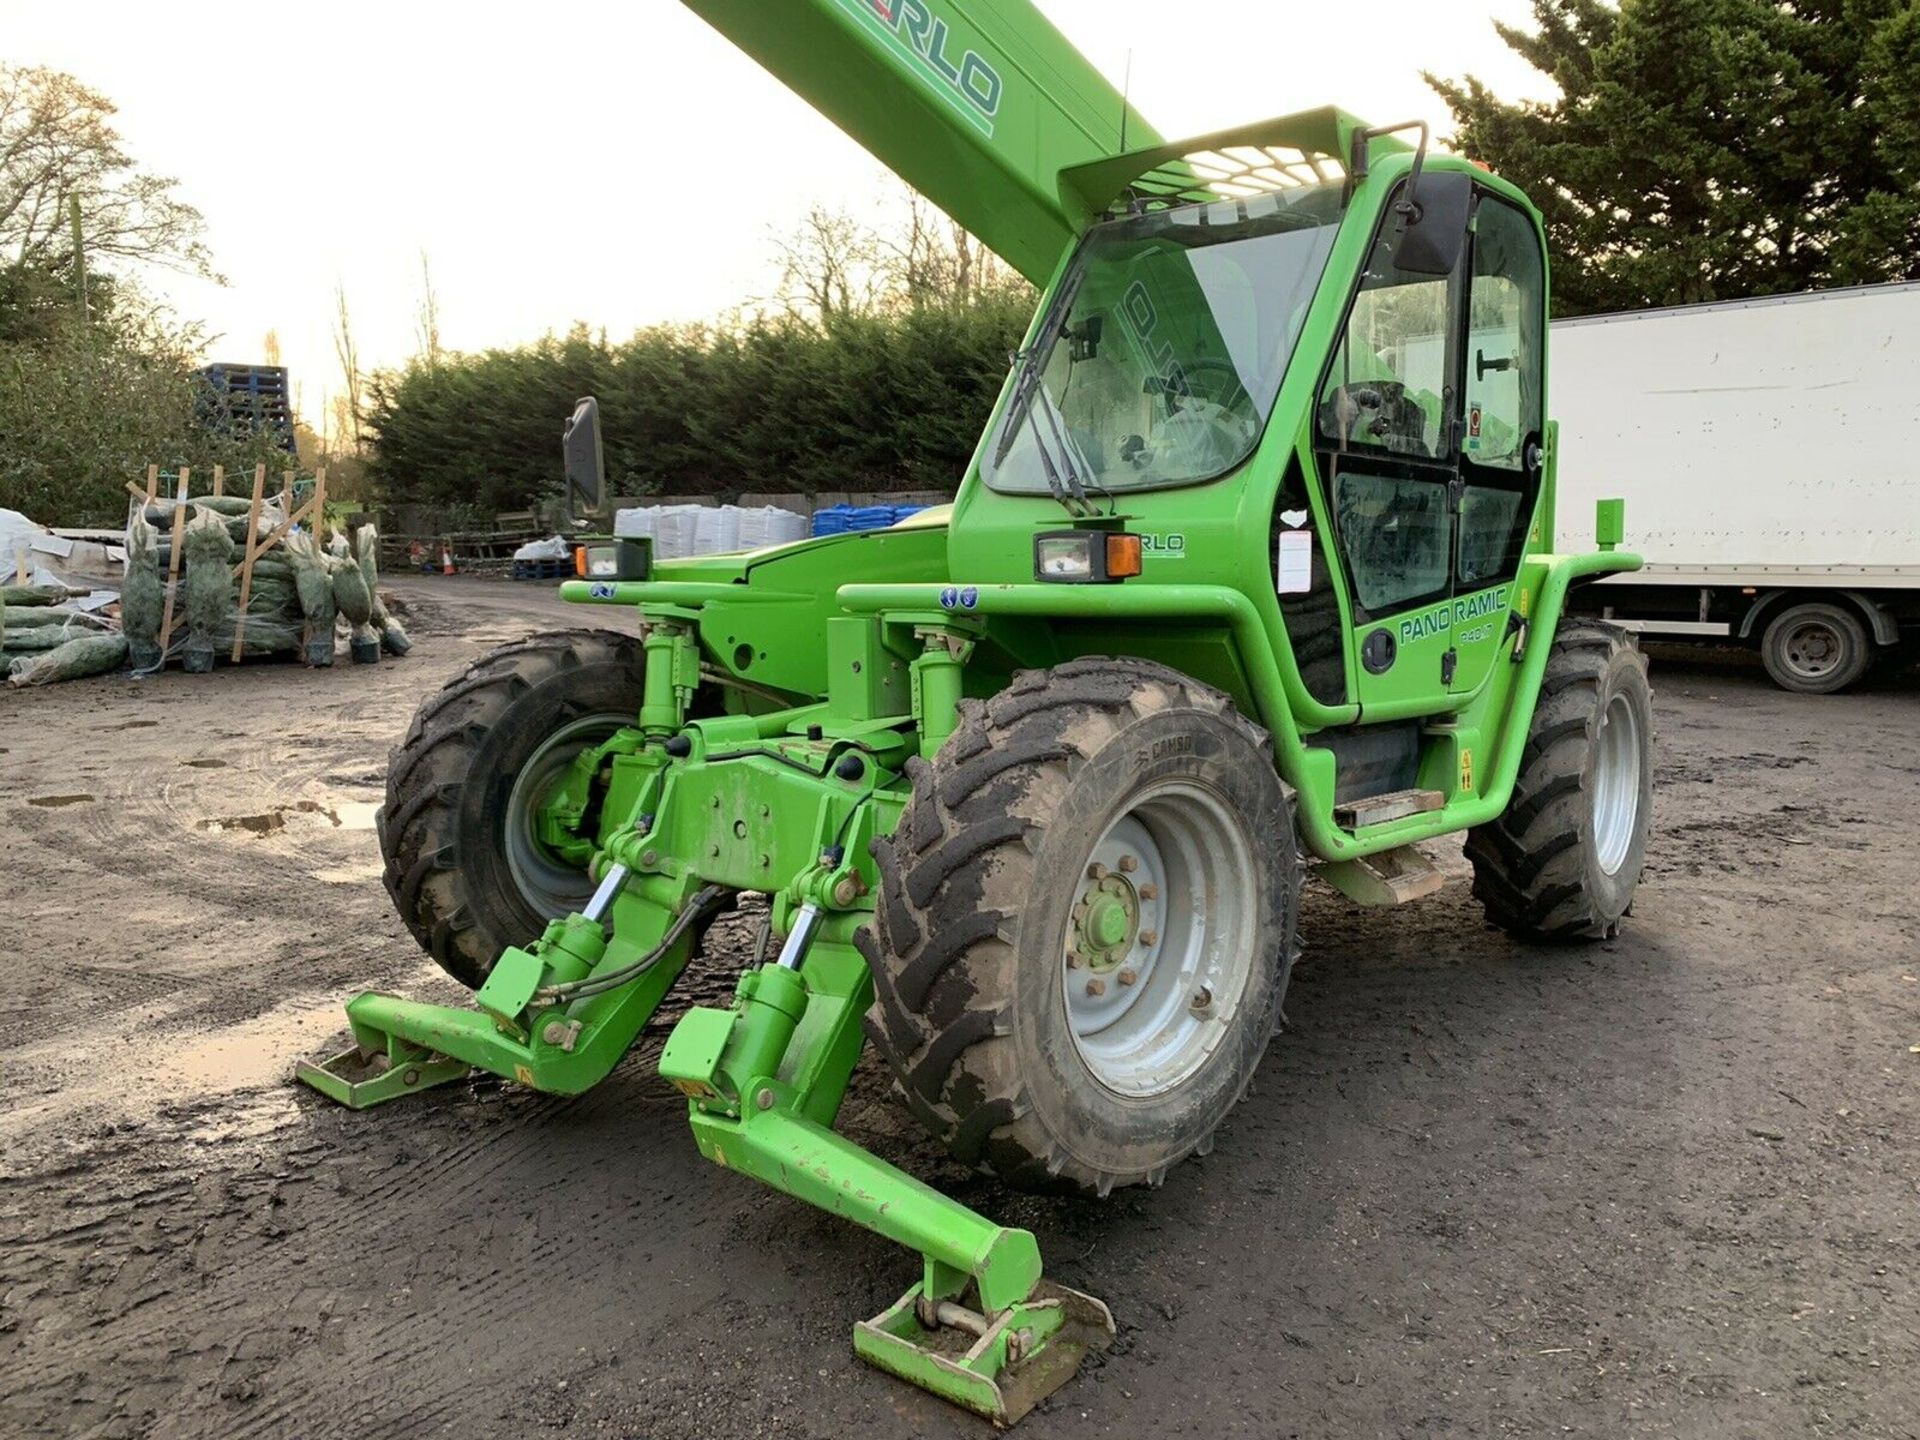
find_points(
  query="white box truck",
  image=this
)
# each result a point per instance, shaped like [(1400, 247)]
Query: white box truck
[(1769, 454)]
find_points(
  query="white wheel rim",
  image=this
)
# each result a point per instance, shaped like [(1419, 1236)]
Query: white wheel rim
[(1616, 784), (1813, 649), (1147, 1007), (547, 883)]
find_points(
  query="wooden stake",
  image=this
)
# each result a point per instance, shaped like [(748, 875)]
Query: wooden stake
[(173, 564), (286, 492), (279, 532), (153, 483), (219, 479), (246, 565)]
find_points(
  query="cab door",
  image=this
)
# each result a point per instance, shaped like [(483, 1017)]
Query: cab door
[(1502, 373), (1429, 429), (1390, 464)]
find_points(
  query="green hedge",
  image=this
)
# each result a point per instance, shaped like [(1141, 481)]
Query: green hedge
[(884, 401)]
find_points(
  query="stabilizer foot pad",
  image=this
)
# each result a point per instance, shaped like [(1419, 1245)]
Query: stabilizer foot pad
[(1025, 1354), (359, 1081)]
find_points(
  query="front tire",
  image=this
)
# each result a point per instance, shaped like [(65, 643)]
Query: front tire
[(1564, 860), (1085, 925), (463, 866)]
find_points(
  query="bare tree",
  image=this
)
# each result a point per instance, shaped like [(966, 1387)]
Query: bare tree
[(835, 264), (934, 261), (426, 317), (831, 266), (58, 148), (347, 406), (270, 347)]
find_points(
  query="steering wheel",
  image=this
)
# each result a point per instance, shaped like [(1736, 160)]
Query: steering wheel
[(1227, 391), (1383, 411)]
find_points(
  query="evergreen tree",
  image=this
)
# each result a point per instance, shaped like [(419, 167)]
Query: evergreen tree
[(1712, 149)]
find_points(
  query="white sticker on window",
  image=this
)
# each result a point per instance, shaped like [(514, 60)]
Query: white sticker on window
[(1294, 573)]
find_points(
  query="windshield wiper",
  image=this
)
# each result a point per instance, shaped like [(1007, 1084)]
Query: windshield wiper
[(1032, 360), (1023, 384), (1054, 484), (1063, 437)]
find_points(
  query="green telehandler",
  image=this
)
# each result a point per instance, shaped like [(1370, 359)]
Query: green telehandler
[(1254, 569)]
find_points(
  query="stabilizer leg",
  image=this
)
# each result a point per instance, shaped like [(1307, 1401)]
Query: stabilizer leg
[(982, 1329), (561, 1045)]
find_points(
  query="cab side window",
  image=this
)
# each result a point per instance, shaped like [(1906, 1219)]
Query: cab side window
[(1505, 321), (1383, 411), (1386, 390)]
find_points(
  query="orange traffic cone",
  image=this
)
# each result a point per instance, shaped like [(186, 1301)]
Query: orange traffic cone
[(446, 560)]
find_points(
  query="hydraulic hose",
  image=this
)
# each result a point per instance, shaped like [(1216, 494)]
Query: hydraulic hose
[(704, 902)]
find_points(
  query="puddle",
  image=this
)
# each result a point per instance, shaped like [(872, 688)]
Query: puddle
[(355, 814), (345, 815), (205, 764), (254, 1052), (238, 1079), (348, 875), (55, 802), (269, 822)]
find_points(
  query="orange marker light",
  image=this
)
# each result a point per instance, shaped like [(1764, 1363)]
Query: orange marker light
[(580, 561), (1123, 556)]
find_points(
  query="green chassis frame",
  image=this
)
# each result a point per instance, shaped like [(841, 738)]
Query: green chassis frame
[(786, 798), (777, 802)]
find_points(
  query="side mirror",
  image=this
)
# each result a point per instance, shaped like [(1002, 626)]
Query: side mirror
[(1438, 207), (585, 463)]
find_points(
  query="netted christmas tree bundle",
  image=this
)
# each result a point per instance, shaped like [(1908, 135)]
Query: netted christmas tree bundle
[(32, 639), (354, 599), (143, 597), (313, 583), (207, 590), (22, 617), (93, 653), (393, 636)]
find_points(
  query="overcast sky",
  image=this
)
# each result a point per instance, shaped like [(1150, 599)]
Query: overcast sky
[(618, 163)]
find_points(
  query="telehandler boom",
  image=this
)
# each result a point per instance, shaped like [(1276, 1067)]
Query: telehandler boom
[(1254, 568)]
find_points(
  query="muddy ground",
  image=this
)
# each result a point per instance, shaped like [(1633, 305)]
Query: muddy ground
[(1668, 1186)]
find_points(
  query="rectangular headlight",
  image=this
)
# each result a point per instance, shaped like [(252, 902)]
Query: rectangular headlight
[(1085, 557), (1067, 557)]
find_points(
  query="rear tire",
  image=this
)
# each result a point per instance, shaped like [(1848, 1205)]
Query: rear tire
[(1817, 648), (462, 866), (997, 914), (1562, 863)]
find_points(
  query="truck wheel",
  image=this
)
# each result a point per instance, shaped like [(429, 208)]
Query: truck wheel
[(1563, 861), (1816, 648), (1085, 925), (463, 865)]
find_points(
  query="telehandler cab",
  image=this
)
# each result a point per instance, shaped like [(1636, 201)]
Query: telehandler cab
[(1254, 569)]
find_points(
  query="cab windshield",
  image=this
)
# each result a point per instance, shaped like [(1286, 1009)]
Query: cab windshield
[(1164, 347)]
